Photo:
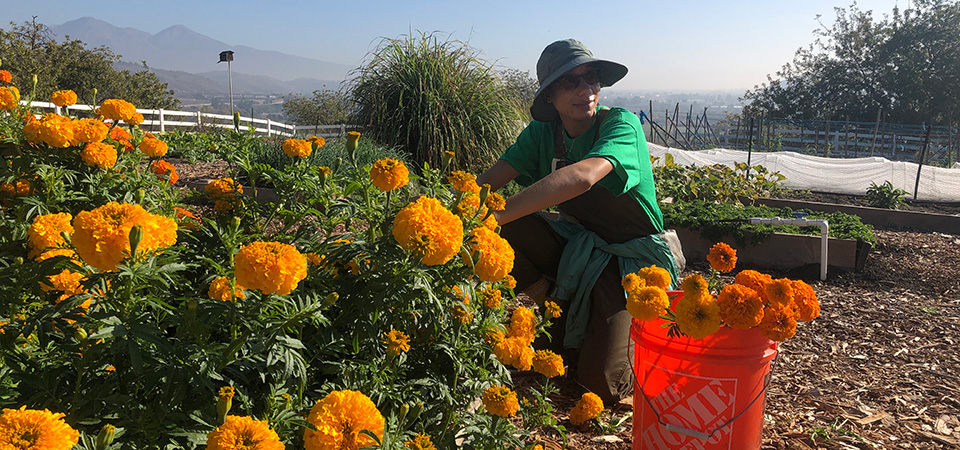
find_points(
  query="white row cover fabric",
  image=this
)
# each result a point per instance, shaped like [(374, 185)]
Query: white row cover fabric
[(833, 175)]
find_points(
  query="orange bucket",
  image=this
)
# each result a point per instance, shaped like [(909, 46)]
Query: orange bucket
[(704, 394)]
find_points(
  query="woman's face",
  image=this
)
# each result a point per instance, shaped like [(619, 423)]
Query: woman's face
[(575, 94)]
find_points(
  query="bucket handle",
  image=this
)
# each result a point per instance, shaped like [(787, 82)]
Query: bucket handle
[(700, 434)]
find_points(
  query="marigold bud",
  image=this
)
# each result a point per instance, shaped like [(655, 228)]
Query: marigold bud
[(139, 195), (404, 410), (224, 402), (415, 411), (105, 437), (136, 235), (18, 261), (331, 299), (80, 334), (236, 122)]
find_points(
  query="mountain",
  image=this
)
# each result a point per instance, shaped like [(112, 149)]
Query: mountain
[(181, 49), (216, 83)]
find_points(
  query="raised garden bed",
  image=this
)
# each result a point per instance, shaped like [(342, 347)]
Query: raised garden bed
[(878, 217)]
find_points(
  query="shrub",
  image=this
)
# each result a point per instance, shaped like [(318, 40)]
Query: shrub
[(884, 196), (713, 183), (427, 96)]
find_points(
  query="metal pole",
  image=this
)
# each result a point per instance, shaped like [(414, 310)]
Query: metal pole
[(230, 80), (923, 154), (876, 128), (749, 148)]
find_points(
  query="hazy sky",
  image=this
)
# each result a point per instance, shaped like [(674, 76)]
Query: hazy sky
[(682, 45)]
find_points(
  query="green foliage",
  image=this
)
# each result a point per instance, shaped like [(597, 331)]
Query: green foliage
[(29, 50), (713, 183), (905, 64), (884, 196), (428, 96), (717, 221), (326, 107), (520, 85)]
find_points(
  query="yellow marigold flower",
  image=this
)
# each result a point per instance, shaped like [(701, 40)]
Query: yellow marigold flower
[(524, 360), (632, 281), (491, 297), (317, 141), (509, 281), (63, 98), (461, 314), (500, 401), (388, 174), (495, 202), (116, 109), (779, 292), (468, 206), (90, 130), (339, 418), (508, 349), (58, 252), (808, 307), (587, 408), (102, 236), (46, 232), (493, 337), (655, 276), (396, 342), (298, 148), (694, 286), (740, 306), (314, 259), (19, 188), (428, 230), (220, 290), (523, 324), (271, 267), (98, 154), (496, 254), (222, 188), (244, 433), (353, 136), (552, 309), (56, 130), (722, 257), (136, 119), (420, 442), (9, 97), (647, 303), (153, 147), (464, 181), (698, 317), (222, 206), (753, 280), (779, 323), (30, 429), (548, 363)]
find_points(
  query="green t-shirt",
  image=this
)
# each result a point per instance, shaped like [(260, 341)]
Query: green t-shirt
[(621, 141)]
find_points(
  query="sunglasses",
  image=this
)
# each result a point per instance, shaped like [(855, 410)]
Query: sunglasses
[(571, 82)]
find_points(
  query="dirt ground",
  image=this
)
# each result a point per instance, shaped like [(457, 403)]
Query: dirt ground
[(879, 369)]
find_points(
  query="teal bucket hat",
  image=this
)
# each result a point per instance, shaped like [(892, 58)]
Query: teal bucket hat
[(561, 57)]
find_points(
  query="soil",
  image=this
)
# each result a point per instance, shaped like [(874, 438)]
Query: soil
[(879, 369)]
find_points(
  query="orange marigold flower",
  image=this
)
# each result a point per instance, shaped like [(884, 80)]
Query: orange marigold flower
[(34, 429), (6, 77), (388, 174), (553, 310), (271, 267), (68, 283), (779, 292), (135, 119), (779, 323), (316, 141), (694, 286), (56, 130), (496, 254), (63, 98), (632, 282), (116, 109), (297, 148), (429, 230), (9, 98), (396, 342), (122, 137), (500, 401), (98, 154), (420, 442), (587, 408), (753, 280), (464, 181), (509, 281), (220, 290), (90, 130), (461, 313), (244, 432), (740, 306), (222, 188), (153, 147), (647, 302), (722, 257), (495, 202), (161, 167), (339, 419), (47, 231), (698, 316), (548, 363), (523, 325), (655, 276), (490, 297), (808, 307), (102, 236)]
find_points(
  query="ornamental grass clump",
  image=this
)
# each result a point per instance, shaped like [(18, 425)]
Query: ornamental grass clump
[(704, 306)]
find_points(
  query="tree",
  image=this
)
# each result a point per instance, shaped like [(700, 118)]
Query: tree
[(326, 107), (429, 96), (30, 49), (521, 85), (908, 64)]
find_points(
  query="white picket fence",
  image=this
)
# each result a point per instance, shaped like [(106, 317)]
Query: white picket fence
[(162, 120)]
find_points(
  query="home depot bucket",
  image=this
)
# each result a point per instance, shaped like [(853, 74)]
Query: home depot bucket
[(705, 394)]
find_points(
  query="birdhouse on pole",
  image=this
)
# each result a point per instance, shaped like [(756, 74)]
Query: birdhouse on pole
[(226, 56)]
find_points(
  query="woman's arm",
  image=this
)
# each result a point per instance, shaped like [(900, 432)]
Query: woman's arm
[(498, 175), (558, 187)]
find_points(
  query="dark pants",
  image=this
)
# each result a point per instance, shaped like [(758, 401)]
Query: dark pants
[(602, 364)]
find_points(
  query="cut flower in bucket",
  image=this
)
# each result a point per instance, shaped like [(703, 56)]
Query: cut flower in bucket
[(703, 306)]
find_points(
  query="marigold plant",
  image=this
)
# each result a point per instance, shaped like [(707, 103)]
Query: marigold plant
[(339, 419), (271, 267), (153, 147), (297, 148), (34, 429), (98, 154), (495, 254), (500, 401), (220, 290), (388, 174), (587, 408), (244, 432), (428, 230), (118, 110), (102, 235), (47, 232), (9, 97), (63, 98)]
